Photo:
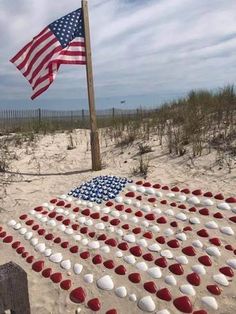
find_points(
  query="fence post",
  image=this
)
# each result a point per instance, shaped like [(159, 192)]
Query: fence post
[(39, 116), (13, 289), (113, 113)]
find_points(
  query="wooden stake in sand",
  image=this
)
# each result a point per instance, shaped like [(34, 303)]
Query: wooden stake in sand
[(95, 148)]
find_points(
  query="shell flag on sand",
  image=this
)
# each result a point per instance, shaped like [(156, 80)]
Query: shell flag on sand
[(112, 244)]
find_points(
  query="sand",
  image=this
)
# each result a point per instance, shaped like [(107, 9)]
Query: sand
[(47, 169)]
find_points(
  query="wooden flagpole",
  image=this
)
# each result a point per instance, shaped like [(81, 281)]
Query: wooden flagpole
[(94, 138)]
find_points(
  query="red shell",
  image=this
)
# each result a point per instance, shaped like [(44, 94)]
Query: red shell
[(78, 295)]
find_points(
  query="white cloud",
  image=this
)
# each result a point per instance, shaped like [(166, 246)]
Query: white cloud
[(139, 47)]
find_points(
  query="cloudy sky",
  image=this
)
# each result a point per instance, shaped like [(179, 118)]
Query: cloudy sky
[(144, 51)]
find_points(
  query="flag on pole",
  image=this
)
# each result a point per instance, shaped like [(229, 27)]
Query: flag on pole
[(61, 42)]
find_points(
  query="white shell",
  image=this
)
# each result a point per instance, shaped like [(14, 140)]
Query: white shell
[(199, 269), (182, 259), (61, 227), (142, 266), (48, 252), (119, 232), (129, 238), (167, 254), (170, 280), (181, 198), (100, 226), (52, 223), (34, 241), (145, 208), (210, 301), (134, 219), (56, 258), (130, 259), (154, 247), (119, 254), (105, 283), (88, 222), (224, 206), (38, 215), (207, 202), (28, 235), (168, 232), (150, 191), (72, 216), (22, 231), (59, 210), (132, 297), (105, 249), (212, 225), (17, 226), (213, 251), (145, 223), (159, 194), (96, 208), (232, 263), (197, 243), (154, 228), (121, 292), (227, 230), (169, 212), (154, 272), (94, 245), (146, 304), (181, 236), (69, 231), (11, 223), (78, 268), (119, 199), (32, 212), (157, 210), (221, 279), (181, 216), (194, 220), (77, 237), (81, 220), (131, 187), (165, 311), (170, 195), (193, 200), (41, 247), (115, 214), (84, 241), (66, 264), (88, 278), (44, 219), (124, 217), (128, 201), (187, 289), (142, 242), (141, 189)]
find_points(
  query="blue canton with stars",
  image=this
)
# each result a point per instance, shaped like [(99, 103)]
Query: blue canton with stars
[(68, 27)]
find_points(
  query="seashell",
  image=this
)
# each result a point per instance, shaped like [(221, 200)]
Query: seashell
[(207, 202), (134, 219), (210, 302), (128, 201), (105, 249), (146, 304), (167, 254), (72, 216), (145, 223), (187, 289), (170, 195), (56, 258), (81, 220), (150, 191), (224, 206), (48, 252), (154, 229), (154, 272), (88, 222), (28, 235), (52, 223), (227, 230), (213, 251), (77, 237), (119, 199), (159, 194), (44, 219), (119, 232), (94, 245), (199, 269), (132, 297), (59, 210), (69, 231), (181, 216), (11, 223), (66, 264), (115, 214), (221, 279), (17, 226), (22, 231), (212, 225), (169, 212), (197, 243), (132, 187), (142, 242), (168, 232), (129, 238), (232, 263), (140, 189), (130, 259), (163, 312), (123, 217), (78, 268), (142, 266), (182, 259), (100, 226), (40, 247), (181, 236), (193, 200), (194, 220), (154, 247), (145, 208), (170, 280), (121, 292), (119, 254), (61, 227), (88, 278), (105, 283), (34, 241), (84, 241), (181, 198)]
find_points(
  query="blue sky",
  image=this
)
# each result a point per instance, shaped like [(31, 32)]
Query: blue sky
[(145, 52)]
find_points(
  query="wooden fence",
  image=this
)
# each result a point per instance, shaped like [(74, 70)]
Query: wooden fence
[(27, 120)]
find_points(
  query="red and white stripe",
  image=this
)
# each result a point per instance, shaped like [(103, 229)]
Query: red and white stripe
[(39, 60)]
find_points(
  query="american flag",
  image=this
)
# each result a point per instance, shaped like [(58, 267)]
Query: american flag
[(61, 42)]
